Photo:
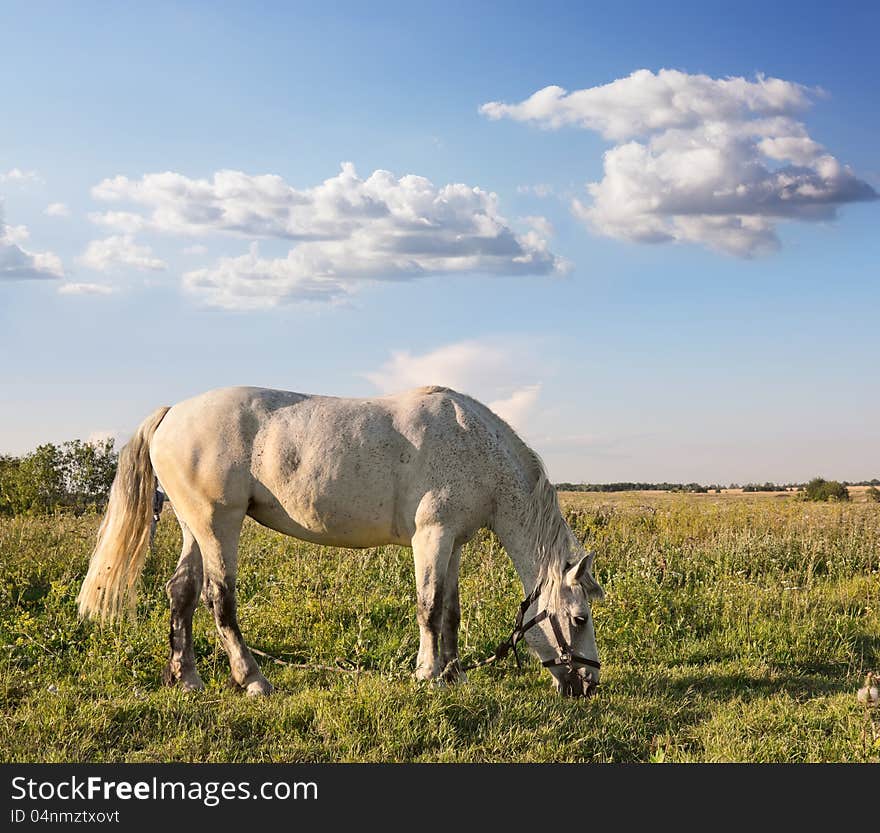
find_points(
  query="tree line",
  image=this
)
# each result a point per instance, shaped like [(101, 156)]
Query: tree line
[(74, 476), (632, 487), (817, 489)]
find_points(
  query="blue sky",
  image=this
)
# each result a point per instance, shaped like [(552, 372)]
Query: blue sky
[(735, 350)]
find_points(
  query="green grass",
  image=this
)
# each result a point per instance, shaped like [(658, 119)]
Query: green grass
[(734, 630)]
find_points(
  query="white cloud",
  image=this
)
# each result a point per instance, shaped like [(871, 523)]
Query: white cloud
[(16, 176), (541, 225), (57, 209), (18, 263), (126, 222), (712, 161), (14, 235), (645, 103), (119, 250), (499, 373), (252, 282), (516, 408), (198, 249), (540, 190), (85, 289), (345, 231), (46, 264)]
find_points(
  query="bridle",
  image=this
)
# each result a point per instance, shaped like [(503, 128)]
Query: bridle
[(565, 655)]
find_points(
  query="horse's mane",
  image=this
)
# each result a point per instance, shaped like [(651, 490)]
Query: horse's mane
[(544, 525), (547, 528)]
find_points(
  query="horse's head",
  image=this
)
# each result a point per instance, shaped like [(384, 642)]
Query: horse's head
[(564, 638)]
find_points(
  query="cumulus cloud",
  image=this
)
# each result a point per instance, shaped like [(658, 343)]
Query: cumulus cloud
[(343, 232), (646, 102), (57, 209), (14, 235), (541, 225), (16, 176), (719, 162), (126, 222), (254, 282), (541, 190), (498, 373), (516, 408), (85, 289), (119, 250), (18, 263)]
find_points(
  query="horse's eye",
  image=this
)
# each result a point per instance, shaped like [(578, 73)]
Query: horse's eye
[(579, 621)]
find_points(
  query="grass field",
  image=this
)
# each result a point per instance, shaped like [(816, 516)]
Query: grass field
[(736, 628)]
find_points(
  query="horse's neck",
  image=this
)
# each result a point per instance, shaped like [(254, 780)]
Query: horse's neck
[(515, 538)]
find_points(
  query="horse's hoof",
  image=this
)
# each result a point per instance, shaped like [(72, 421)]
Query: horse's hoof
[(426, 674), (186, 681), (453, 674), (191, 683), (432, 682), (258, 688), (457, 678)]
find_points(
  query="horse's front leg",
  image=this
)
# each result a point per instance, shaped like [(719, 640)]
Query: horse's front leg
[(432, 549)]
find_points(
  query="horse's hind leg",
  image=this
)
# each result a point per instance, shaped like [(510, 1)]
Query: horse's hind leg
[(449, 663), (183, 592), (219, 545), (432, 547)]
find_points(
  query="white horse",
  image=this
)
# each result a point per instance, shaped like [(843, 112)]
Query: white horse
[(426, 469)]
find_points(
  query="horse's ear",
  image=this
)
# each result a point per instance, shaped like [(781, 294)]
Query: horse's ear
[(574, 572), (582, 573), (590, 557)]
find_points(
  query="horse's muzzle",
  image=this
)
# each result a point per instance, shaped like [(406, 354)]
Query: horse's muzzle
[(577, 683)]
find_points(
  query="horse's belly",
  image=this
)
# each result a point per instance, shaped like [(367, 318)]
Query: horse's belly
[(336, 473), (367, 519)]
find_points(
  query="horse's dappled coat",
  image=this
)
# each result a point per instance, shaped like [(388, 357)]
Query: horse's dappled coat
[(426, 468)]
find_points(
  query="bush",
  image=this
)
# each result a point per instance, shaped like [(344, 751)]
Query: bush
[(821, 489), (75, 476), (873, 493)]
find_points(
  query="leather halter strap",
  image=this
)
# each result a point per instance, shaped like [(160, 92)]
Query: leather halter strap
[(565, 656)]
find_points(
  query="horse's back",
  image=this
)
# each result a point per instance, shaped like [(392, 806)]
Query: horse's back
[(207, 441), (342, 471)]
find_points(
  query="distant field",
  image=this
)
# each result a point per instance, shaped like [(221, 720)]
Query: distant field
[(736, 628), (857, 494)]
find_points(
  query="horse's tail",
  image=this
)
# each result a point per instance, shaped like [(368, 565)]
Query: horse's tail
[(110, 586)]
